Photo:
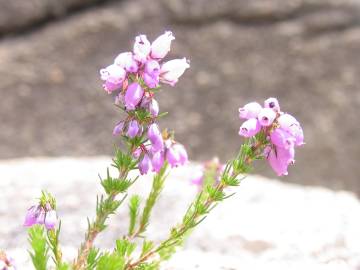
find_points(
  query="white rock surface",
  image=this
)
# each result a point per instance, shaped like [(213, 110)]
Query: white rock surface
[(266, 225)]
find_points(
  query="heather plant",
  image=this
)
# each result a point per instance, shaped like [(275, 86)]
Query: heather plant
[(133, 81)]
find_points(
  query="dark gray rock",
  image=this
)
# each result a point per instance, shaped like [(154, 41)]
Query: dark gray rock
[(16, 15), (304, 52)]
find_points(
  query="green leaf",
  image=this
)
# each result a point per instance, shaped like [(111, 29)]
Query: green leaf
[(111, 261), (134, 205), (215, 194), (40, 250), (146, 247), (123, 161), (157, 186), (93, 258), (115, 185)]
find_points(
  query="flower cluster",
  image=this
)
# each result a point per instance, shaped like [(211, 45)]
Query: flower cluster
[(43, 213), (159, 148), (134, 77), (145, 63), (282, 131), (210, 173)]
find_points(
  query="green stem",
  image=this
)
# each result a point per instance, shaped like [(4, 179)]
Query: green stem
[(204, 203), (105, 208), (157, 186), (53, 237)]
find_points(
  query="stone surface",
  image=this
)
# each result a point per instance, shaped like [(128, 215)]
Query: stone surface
[(19, 15), (304, 52), (267, 224)]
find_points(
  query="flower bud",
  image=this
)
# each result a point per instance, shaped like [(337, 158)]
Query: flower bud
[(266, 117), (154, 108), (250, 110), (145, 164), (152, 68), (150, 81), (113, 73), (142, 48), (40, 219), (280, 158), (173, 157), (133, 129), (110, 87), (136, 154), (288, 123), (50, 219), (127, 61), (155, 137), (172, 70), (161, 46), (118, 129), (183, 156), (272, 103), (31, 216), (281, 138), (113, 76), (249, 128), (133, 96), (158, 161)]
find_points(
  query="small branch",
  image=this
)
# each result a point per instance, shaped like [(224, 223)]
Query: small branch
[(157, 186)]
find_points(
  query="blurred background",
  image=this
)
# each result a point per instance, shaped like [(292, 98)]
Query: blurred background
[(305, 52)]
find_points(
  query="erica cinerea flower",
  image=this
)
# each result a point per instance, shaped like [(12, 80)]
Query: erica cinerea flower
[(282, 132), (208, 174), (134, 78), (43, 213)]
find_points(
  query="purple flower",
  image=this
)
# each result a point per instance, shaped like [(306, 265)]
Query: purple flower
[(152, 68), (50, 219), (282, 138), (110, 87), (155, 137), (176, 155), (154, 108), (280, 158), (119, 128), (273, 104), (41, 216), (31, 216), (173, 157), (136, 154), (145, 164), (157, 161), (151, 81), (133, 96), (250, 110), (198, 178), (126, 60), (266, 117), (288, 123), (172, 70), (142, 48), (183, 156), (249, 128), (113, 76), (133, 129), (161, 46)]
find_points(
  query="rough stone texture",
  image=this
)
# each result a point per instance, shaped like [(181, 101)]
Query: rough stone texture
[(266, 225), (305, 52), (19, 15)]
